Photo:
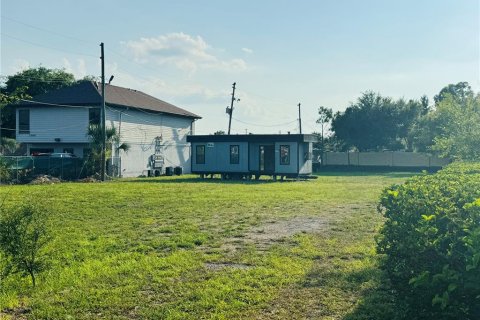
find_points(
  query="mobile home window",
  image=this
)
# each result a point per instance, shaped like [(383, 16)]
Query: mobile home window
[(94, 116), (200, 154), (284, 154), (24, 121), (234, 154)]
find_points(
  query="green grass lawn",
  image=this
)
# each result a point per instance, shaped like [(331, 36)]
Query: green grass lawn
[(185, 248)]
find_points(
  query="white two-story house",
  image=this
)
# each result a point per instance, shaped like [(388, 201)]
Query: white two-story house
[(155, 130)]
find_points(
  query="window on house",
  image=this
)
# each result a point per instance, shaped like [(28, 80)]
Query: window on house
[(94, 116), (234, 154), (24, 121), (40, 151), (284, 154), (68, 150), (200, 154)]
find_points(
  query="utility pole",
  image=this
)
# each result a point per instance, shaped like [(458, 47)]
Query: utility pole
[(104, 118), (299, 119), (230, 110)]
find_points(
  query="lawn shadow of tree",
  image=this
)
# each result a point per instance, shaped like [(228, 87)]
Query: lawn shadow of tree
[(368, 289)]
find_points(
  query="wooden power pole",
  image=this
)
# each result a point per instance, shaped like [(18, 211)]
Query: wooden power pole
[(230, 110), (299, 119), (104, 117)]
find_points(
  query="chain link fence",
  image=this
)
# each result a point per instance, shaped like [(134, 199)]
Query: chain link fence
[(20, 169)]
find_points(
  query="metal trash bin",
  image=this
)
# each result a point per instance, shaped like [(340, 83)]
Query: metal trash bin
[(169, 171)]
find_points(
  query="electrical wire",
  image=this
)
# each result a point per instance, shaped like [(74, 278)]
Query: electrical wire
[(261, 125), (45, 30), (46, 47), (57, 105)]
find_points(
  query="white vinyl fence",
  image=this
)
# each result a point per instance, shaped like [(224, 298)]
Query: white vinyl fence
[(383, 159)]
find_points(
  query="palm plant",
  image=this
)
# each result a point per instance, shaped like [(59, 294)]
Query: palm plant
[(7, 145), (112, 142)]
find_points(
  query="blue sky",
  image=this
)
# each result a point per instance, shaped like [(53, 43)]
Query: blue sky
[(280, 53)]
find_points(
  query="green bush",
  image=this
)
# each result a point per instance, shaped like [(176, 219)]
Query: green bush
[(24, 233), (4, 170), (431, 242)]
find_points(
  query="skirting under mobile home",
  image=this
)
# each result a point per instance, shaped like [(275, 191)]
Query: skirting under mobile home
[(237, 156)]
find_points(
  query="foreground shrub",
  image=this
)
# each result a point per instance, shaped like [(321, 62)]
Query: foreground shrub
[(23, 236), (431, 239)]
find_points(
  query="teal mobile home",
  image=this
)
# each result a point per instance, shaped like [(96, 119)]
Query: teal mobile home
[(237, 156)]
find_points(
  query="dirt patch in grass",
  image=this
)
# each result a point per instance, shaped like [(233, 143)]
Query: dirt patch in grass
[(45, 179), (274, 231), (215, 266)]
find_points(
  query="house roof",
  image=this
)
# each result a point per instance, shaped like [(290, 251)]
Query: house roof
[(89, 93), (262, 138)]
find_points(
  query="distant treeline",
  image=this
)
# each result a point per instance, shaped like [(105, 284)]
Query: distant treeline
[(449, 127)]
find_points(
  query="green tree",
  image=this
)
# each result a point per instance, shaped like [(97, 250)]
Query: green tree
[(460, 130), (39, 80), (375, 122), (95, 134), (460, 91), (24, 233), (7, 144), (439, 121), (325, 116), (29, 83)]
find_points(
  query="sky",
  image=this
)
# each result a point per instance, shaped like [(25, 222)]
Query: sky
[(279, 53)]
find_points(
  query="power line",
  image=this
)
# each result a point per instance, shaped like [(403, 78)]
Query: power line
[(262, 125), (46, 47), (46, 30), (57, 105)]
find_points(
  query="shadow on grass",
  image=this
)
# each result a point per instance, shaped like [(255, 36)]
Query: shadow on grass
[(263, 180), (366, 174), (367, 288), (193, 179)]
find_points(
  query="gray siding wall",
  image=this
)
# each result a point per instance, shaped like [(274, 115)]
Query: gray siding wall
[(217, 157), (255, 156), (139, 129), (48, 123), (305, 157), (292, 167)]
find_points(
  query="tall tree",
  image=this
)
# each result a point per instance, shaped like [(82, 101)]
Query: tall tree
[(7, 143), (367, 124), (438, 120), (375, 122), (325, 116), (39, 80), (95, 134), (460, 136), (31, 82), (460, 91)]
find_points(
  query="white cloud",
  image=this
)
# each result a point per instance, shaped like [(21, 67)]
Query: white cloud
[(171, 91), (247, 50), (19, 65), (182, 51), (79, 71)]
